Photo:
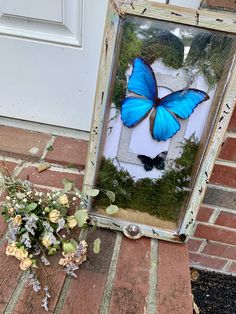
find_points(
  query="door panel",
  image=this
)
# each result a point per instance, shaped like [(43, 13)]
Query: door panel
[(49, 70), (37, 9)]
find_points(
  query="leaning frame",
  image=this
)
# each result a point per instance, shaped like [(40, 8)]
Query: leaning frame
[(203, 18)]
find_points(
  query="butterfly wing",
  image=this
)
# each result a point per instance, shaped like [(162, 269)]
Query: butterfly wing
[(146, 161), (183, 102), (163, 124), (159, 161), (134, 110), (142, 80)]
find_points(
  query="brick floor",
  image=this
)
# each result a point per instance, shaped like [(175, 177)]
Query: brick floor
[(122, 278)]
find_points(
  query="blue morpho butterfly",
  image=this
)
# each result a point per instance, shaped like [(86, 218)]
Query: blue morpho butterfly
[(163, 123)]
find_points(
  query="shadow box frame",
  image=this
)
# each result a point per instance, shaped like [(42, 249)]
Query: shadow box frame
[(204, 18)]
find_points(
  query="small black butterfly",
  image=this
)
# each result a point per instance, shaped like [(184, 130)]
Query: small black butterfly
[(158, 162)]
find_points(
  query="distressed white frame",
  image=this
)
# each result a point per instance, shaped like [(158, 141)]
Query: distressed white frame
[(66, 32), (202, 18)]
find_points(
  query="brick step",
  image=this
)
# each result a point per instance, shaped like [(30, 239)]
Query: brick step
[(127, 276), (34, 146)]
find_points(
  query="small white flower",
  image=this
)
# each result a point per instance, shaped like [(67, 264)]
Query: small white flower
[(74, 198), (36, 193), (28, 193), (48, 194), (54, 202), (40, 193), (25, 200), (40, 201), (8, 198)]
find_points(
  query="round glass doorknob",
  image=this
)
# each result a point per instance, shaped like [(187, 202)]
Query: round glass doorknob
[(133, 231)]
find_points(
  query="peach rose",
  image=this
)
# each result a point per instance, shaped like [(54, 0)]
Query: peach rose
[(26, 263), (46, 241), (21, 253), (63, 199), (11, 249), (71, 222), (17, 220), (54, 215)]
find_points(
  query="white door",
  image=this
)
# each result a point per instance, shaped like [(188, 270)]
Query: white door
[(49, 58)]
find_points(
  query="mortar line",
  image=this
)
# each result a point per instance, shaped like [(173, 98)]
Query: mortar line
[(227, 163), (62, 296), (106, 299), (210, 269), (3, 238), (152, 286), (16, 294), (231, 210), (226, 267), (212, 241), (214, 216), (67, 282), (49, 143), (202, 246), (215, 257), (230, 134), (221, 187), (215, 226)]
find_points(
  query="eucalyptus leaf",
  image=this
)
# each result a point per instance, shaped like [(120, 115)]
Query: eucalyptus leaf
[(112, 209), (31, 206), (93, 192), (96, 246), (68, 247), (67, 185), (73, 242), (111, 195), (81, 216)]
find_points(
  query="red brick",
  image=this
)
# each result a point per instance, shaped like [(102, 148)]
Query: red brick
[(10, 274), (29, 301), (18, 143), (220, 250), (215, 233), (2, 225), (226, 219), (174, 288), (232, 268), (204, 214), (68, 151), (49, 177), (206, 261), (9, 165), (130, 287), (223, 175), (228, 151), (224, 4), (86, 292), (194, 245), (232, 124)]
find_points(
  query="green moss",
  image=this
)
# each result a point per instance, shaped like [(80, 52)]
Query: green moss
[(161, 197)]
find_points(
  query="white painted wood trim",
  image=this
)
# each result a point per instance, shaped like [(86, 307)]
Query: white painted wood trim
[(68, 32)]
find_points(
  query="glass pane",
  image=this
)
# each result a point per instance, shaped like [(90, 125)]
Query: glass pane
[(168, 86)]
